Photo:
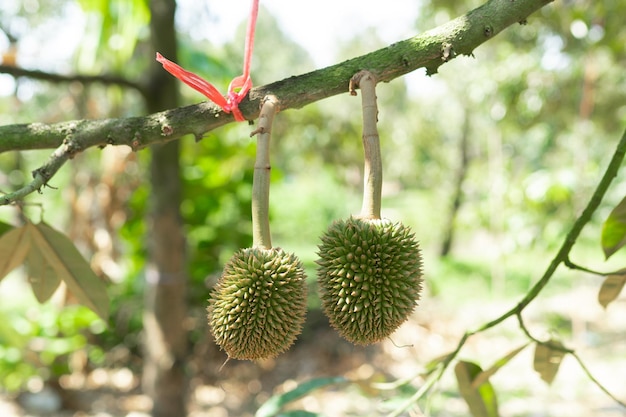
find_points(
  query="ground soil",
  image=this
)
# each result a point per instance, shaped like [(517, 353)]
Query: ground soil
[(238, 387)]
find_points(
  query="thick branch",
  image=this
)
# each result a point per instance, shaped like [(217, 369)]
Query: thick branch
[(429, 50), (60, 78), (136, 132)]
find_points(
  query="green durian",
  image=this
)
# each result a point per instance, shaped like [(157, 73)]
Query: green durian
[(258, 306), (369, 275)]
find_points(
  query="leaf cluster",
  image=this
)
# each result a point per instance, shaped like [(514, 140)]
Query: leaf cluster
[(51, 257), (613, 239)]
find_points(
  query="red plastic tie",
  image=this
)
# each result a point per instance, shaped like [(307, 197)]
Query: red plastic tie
[(238, 87)]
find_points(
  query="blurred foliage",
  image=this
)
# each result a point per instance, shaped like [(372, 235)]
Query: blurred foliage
[(112, 32), (544, 102), (37, 341)]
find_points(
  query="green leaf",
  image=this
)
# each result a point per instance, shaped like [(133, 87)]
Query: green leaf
[(42, 277), (4, 227), (9, 335), (433, 364), (274, 404), (547, 360), (110, 19), (482, 399), (298, 413), (611, 287), (69, 265), (14, 246), (614, 230), (485, 375)]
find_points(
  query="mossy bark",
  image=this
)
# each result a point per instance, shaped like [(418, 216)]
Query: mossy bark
[(429, 50)]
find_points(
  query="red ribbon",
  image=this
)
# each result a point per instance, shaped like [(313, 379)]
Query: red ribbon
[(238, 87)]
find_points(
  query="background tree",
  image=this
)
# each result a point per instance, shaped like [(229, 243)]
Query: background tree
[(516, 200), (165, 308)]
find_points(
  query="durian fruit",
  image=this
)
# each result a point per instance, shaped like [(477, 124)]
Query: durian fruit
[(369, 269), (257, 309), (370, 277)]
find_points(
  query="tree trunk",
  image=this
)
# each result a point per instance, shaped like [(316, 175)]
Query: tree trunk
[(165, 336), (457, 200)]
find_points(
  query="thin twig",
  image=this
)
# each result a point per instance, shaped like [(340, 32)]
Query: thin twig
[(82, 78), (428, 384), (549, 343), (595, 381), (571, 265), (41, 175), (560, 257), (572, 352), (572, 235)]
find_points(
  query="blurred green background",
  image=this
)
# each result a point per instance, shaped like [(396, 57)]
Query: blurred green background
[(520, 134)]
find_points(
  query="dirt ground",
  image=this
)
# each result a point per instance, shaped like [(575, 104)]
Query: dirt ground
[(238, 388)]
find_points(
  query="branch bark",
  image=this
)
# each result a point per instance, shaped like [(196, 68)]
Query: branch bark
[(429, 50)]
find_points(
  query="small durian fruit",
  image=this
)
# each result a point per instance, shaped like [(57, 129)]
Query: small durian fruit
[(259, 304), (369, 269), (369, 276)]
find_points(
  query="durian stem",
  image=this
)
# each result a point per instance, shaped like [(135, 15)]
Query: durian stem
[(261, 237), (373, 169)]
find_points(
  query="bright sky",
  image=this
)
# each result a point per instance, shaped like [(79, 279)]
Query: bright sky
[(320, 25)]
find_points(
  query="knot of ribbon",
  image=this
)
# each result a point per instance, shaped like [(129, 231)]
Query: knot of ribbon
[(238, 87)]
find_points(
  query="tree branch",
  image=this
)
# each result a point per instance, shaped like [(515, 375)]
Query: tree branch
[(561, 348), (59, 78), (561, 257), (571, 265), (572, 235), (42, 175), (429, 50)]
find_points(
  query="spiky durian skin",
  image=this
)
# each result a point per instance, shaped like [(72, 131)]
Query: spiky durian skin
[(369, 274), (258, 306)]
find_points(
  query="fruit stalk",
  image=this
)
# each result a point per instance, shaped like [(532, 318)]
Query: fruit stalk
[(369, 271), (373, 168), (261, 237)]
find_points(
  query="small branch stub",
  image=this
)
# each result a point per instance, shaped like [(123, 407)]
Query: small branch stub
[(261, 181), (447, 52), (373, 168)]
